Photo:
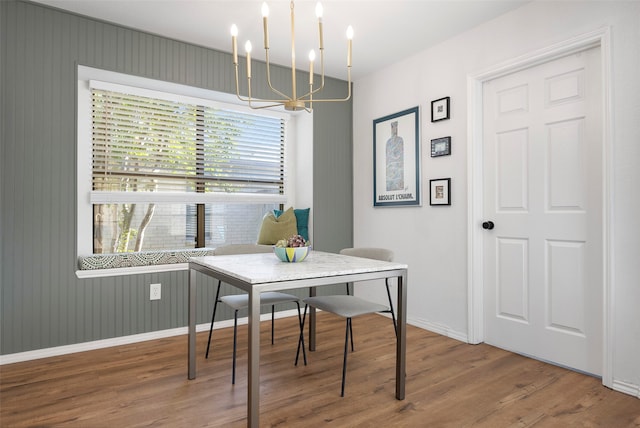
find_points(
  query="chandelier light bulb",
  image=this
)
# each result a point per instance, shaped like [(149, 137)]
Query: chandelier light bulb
[(247, 47), (312, 57), (349, 44), (265, 25), (319, 10), (234, 43)]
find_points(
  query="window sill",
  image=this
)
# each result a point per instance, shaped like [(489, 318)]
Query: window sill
[(101, 265), (134, 270)]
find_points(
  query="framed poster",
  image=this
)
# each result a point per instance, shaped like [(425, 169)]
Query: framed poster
[(440, 191), (396, 159)]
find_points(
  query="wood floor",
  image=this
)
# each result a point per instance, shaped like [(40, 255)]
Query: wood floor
[(449, 384)]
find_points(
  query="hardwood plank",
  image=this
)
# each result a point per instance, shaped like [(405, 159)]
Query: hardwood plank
[(449, 384)]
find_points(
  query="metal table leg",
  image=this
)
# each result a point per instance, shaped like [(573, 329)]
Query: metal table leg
[(401, 344), (312, 322), (253, 390), (192, 325)]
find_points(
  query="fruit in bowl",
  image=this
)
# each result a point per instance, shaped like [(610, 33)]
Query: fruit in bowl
[(292, 250)]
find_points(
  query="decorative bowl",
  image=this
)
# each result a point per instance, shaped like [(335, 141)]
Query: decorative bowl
[(291, 254)]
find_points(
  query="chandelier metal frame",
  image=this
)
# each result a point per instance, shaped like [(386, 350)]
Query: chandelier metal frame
[(291, 102)]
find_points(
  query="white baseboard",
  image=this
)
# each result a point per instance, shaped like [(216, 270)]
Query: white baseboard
[(433, 327), (135, 338), (126, 340), (438, 328), (627, 388)]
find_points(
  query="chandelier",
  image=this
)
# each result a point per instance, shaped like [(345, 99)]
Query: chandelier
[(291, 102)]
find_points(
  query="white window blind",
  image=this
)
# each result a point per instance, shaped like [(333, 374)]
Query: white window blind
[(164, 166), (156, 150)]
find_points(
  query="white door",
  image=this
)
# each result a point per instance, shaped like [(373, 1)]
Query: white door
[(542, 163)]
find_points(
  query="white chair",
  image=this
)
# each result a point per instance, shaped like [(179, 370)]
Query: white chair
[(241, 301), (349, 306)]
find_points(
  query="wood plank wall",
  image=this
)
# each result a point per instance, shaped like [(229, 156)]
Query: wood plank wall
[(43, 304)]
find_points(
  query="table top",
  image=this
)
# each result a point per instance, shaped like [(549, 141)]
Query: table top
[(266, 267)]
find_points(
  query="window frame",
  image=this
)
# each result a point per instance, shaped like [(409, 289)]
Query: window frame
[(298, 128)]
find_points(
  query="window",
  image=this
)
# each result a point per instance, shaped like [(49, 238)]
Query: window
[(169, 171)]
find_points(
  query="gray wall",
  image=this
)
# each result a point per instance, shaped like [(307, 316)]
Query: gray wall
[(43, 304)]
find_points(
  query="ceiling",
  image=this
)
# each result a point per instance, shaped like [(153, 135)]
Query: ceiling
[(386, 31)]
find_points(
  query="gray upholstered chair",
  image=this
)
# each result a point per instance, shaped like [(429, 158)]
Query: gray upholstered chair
[(241, 301), (349, 306)]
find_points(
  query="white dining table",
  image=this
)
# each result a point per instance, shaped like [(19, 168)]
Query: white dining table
[(257, 273)]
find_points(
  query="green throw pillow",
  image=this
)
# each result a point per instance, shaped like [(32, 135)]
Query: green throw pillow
[(274, 229), (302, 220)]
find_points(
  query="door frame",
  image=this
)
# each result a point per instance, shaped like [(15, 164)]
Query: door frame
[(475, 236)]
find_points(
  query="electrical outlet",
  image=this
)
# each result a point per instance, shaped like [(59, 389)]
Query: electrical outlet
[(154, 292)]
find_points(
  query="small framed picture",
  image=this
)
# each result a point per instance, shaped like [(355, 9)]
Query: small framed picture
[(440, 191), (440, 109), (441, 147)]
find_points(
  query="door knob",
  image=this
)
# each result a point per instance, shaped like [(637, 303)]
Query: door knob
[(488, 225)]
